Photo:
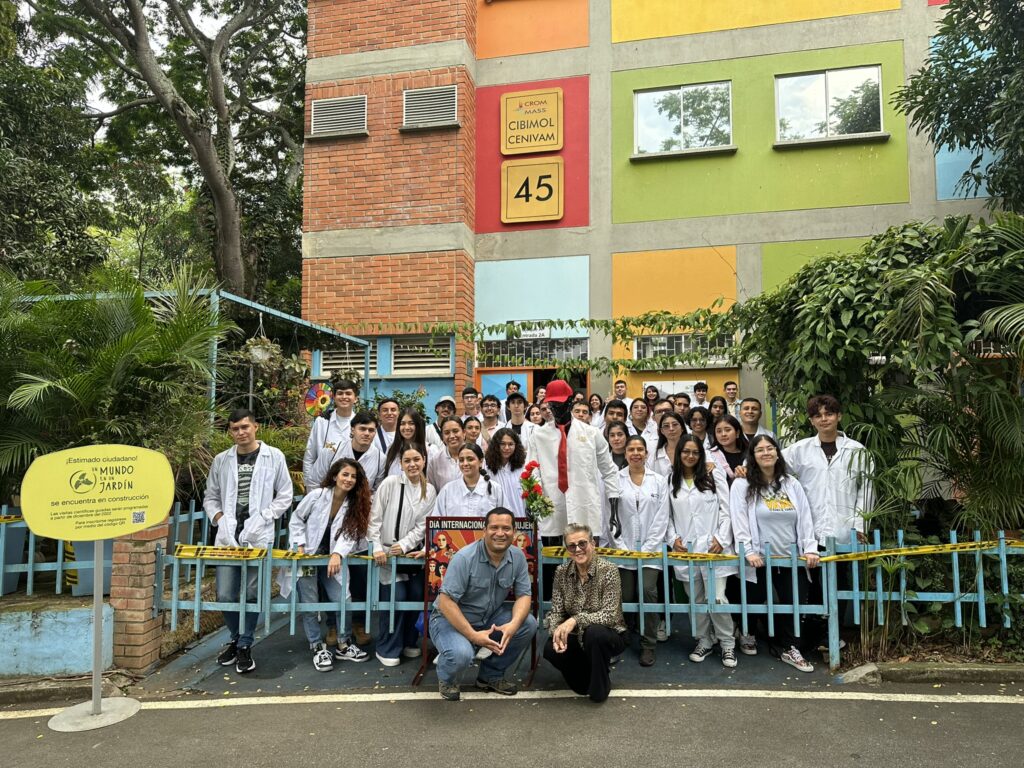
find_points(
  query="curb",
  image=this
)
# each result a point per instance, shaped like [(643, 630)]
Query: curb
[(941, 672), (67, 691)]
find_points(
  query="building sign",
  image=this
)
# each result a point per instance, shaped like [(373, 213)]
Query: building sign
[(531, 121), (532, 190), (96, 492)]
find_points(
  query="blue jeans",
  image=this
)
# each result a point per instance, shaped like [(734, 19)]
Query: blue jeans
[(390, 644), (455, 652), (310, 588), (229, 590)]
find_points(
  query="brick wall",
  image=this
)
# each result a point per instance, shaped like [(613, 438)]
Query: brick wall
[(390, 178), (137, 634), (353, 26)]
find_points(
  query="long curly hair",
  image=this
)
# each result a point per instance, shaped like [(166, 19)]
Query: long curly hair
[(493, 458), (357, 518)]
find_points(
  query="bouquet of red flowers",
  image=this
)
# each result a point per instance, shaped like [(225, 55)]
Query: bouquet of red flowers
[(538, 506)]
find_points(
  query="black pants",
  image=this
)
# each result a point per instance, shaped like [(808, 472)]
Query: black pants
[(782, 581), (586, 669)]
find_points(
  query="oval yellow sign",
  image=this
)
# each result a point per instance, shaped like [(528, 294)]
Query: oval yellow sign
[(97, 492)]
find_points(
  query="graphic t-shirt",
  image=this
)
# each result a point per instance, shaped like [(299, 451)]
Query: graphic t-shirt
[(776, 521), (246, 465)]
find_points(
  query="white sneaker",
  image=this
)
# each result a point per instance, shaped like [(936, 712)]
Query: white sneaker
[(388, 662), (412, 652), (322, 661), (350, 652), (795, 659), (662, 634)]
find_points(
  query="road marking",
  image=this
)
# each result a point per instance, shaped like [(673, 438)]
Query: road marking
[(698, 693)]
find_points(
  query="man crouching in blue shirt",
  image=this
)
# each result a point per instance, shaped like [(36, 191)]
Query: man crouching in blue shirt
[(470, 612)]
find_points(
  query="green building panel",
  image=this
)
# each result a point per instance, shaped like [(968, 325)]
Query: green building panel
[(780, 261), (758, 177)]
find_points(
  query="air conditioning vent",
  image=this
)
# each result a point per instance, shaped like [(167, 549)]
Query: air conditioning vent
[(348, 358), (430, 108), (345, 116), (422, 356)]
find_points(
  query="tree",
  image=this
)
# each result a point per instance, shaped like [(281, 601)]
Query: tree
[(216, 89), (48, 214), (109, 367), (970, 94)]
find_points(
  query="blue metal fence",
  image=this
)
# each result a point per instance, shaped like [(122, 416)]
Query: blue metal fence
[(841, 581)]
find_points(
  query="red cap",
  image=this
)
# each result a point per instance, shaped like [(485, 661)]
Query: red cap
[(557, 391)]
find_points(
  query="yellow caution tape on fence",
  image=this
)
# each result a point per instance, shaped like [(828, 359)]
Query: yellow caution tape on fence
[(288, 554), (194, 551), (928, 549), (10, 519)]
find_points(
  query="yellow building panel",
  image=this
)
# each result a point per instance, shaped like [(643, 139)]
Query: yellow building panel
[(681, 280), (643, 19)]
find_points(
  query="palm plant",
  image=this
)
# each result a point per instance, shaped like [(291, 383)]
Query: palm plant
[(113, 365)]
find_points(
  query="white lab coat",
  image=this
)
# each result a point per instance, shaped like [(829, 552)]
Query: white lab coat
[(270, 496), (696, 516), (372, 462), (325, 435), (306, 529), (511, 490), (396, 465), (433, 438), (649, 433), (411, 519), (588, 459), (456, 500), (744, 519), (840, 491), (660, 462), (524, 431), (643, 514)]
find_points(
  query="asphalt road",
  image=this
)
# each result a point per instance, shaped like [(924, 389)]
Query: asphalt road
[(905, 726)]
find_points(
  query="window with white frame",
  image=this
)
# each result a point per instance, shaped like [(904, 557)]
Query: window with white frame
[(831, 103), (683, 117), (421, 355), (672, 344)]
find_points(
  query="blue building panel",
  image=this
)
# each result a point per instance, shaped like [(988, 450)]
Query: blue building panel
[(555, 288)]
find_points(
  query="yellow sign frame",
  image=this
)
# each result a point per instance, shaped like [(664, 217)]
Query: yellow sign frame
[(538, 120), (97, 492), (548, 205)]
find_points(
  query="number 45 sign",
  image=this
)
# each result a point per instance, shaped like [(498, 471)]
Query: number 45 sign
[(532, 190)]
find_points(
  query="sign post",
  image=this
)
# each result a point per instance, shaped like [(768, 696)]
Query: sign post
[(96, 493)]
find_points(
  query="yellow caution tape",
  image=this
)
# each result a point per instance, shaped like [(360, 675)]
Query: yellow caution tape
[(193, 551), (928, 549), (288, 554), (10, 519)]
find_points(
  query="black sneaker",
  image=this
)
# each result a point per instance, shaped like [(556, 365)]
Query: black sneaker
[(244, 663), (501, 685), (228, 655)]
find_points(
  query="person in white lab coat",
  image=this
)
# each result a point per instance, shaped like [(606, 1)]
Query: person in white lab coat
[(411, 431), (700, 522), (596, 403), (835, 472), (331, 519), (443, 409), (247, 491), (328, 431), (475, 494), (361, 445), (671, 430), (642, 526), (397, 522), (770, 513), (518, 422), (698, 420), (729, 446), (387, 422), (505, 458), (444, 467), (641, 423)]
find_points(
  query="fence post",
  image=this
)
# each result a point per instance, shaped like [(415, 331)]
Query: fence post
[(137, 631), (832, 598)]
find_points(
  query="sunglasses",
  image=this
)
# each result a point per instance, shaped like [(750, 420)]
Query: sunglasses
[(580, 546)]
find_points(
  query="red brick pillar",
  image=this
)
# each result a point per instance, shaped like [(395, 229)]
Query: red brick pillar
[(137, 634)]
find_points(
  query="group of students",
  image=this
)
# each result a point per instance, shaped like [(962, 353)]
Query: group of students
[(693, 474)]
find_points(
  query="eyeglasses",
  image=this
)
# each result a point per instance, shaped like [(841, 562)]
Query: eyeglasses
[(580, 546), (765, 451)]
